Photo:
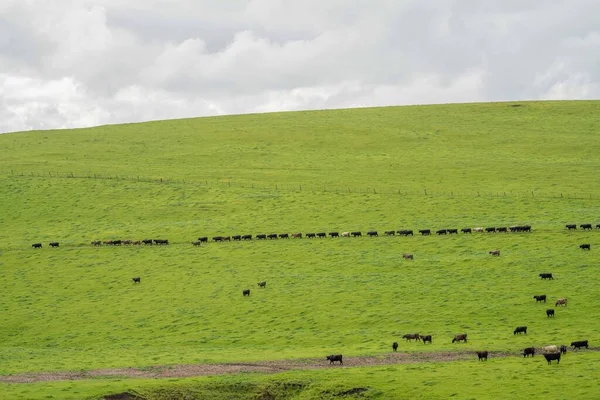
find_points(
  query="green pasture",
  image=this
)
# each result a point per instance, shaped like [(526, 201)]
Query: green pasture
[(76, 308)]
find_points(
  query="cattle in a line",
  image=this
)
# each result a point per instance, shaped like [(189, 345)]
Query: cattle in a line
[(466, 230), (405, 232), (585, 246), (217, 238), (272, 236), (262, 284), (461, 337), (162, 242), (529, 351), (411, 336), (452, 231), (520, 329), (598, 226), (117, 242), (335, 357), (425, 232), (441, 232), (502, 229), (127, 242), (356, 234), (137, 279), (561, 302), (579, 344), (389, 233), (586, 226), (203, 239), (53, 244), (546, 275), (372, 233), (334, 234), (571, 226), (136, 242), (345, 234), (225, 239), (284, 236), (563, 349), (426, 338), (237, 237), (550, 349), (407, 256), (246, 237), (520, 228), (297, 235), (550, 312), (196, 243), (96, 243), (149, 242), (490, 229), (482, 355), (539, 298), (395, 346), (552, 357), (495, 252), (321, 235), (310, 235), (246, 292), (478, 230), (261, 236), (37, 245)]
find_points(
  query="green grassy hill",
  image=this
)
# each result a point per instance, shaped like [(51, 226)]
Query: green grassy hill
[(451, 166)]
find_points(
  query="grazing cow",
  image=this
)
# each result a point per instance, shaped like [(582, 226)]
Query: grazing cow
[(529, 351), (284, 236), (550, 349), (492, 230), (196, 243), (246, 237), (562, 302), (96, 243), (585, 246), (546, 276), (237, 237), (426, 338), (585, 226), (495, 252), (411, 336), (149, 241), (137, 279), (395, 346), (550, 312), (345, 234), (571, 226), (53, 244), (390, 233), (520, 329), (482, 355), (452, 231), (203, 239), (425, 232), (563, 349), (310, 235), (321, 235), (356, 234), (460, 337), (478, 230), (335, 357), (405, 232), (162, 241), (407, 256), (37, 245), (297, 235), (261, 237), (502, 229), (262, 284), (551, 357), (441, 232), (334, 234), (272, 236), (372, 233), (541, 297), (579, 344), (466, 230), (246, 292)]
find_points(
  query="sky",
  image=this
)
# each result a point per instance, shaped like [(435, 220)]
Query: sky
[(79, 63)]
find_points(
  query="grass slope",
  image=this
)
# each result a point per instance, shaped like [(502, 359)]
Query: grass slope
[(75, 307)]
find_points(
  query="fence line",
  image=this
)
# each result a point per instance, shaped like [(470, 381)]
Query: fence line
[(308, 188)]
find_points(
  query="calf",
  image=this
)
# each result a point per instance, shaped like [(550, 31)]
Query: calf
[(137, 279), (495, 252), (579, 344), (372, 233), (529, 351), (460, 337), (520, 329), (482, 355), (246, 292), (334, 234), (541, 297), (37, 245), (585, 246), (395, 346), (585, 226), (426, 338), (407, 256), (551, 357), (550, 312), (563, 349), (53, 244), (262, 284), (411, 336), (546, 276), (335, 357), (561, 302), (571, 226)]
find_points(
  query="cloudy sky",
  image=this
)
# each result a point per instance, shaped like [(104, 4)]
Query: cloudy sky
[(72, 63)]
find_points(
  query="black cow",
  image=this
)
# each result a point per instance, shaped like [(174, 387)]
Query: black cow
[(53, 244), (585, 246), (96, 243), (492, 229), (246, 237), (585, 226), (196, 243), (579, 344), (161, 241), (482, 355), (550, 312), (272, 236), (372, 233), (261, 236), (284, 236), (502, 229), (262, 284), (117, 242), (149, 241), (37, 245), (551, 357), (218, 238), (355, 234), (137, 279), (466, 230), (237, 237), (546, 276), (520, 329), (541, 297), (441, 232), (395, 346), (334, 234), (203, 239), (425, 232), (335, 357), (246, 292), (571, 226), (452, 231), (426, 338), (563, 349), (390, 233), (598, 226), (529, 351), (321, 235), (310, 235), (405, 232)]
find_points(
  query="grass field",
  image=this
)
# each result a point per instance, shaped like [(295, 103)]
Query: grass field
[(75, 307)]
